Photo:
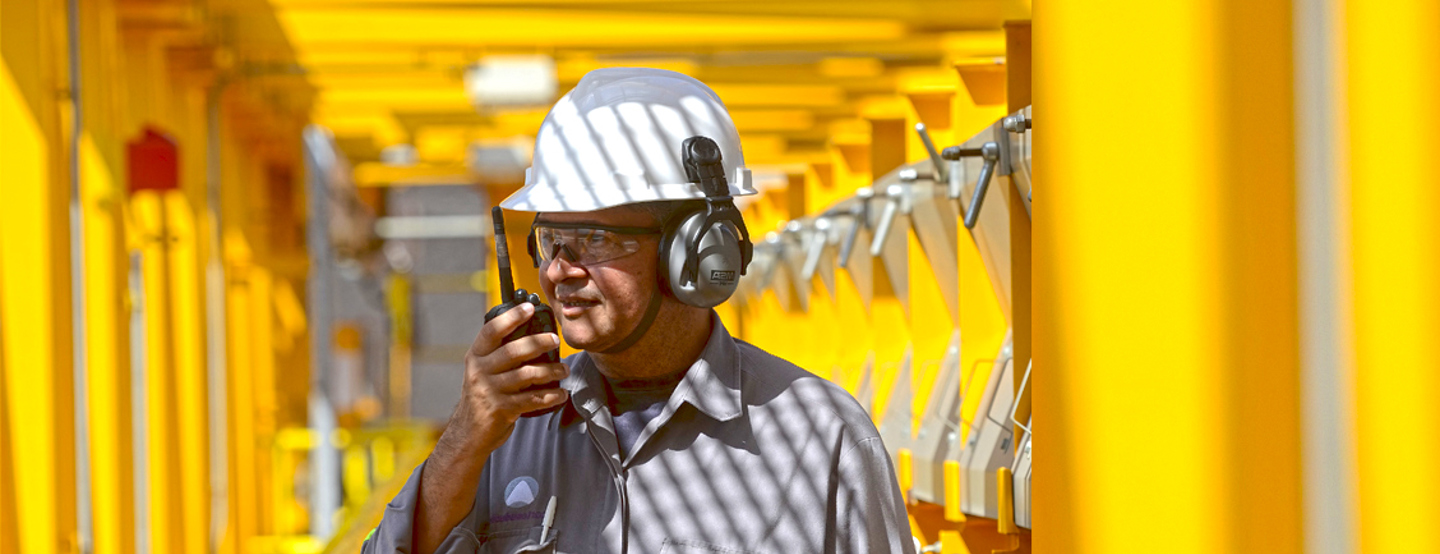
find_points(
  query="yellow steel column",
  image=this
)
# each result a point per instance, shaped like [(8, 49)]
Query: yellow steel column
[(162, 435), (264, 402), (241, 401), (1256, 222), (9, 505), (1165, 293), (189, 373), (1393, 51), (107, 337), (401, 325), (35, 288), (107, 333)]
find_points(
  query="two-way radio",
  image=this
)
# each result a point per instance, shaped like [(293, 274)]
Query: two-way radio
[(542, 322)]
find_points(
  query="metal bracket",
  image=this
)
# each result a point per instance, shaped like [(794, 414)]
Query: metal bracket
[(1018, 124), (816, 245), (898, 202), (990, 152), (861, 216), (942, 170)]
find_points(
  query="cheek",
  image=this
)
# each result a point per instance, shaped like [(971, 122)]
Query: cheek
[(625, 288)]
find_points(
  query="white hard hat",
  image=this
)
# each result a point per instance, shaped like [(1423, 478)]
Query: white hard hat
[(615, 139)]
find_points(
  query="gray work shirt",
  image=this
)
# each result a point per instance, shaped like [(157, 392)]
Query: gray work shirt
[(750, 455)]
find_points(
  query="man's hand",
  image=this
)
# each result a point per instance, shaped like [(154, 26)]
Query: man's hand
[(495, 391), (493, 397)]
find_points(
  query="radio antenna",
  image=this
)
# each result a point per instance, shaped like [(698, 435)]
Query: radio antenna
[(502, 257)]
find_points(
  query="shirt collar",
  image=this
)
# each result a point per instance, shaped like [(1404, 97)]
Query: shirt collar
[(712, 384)]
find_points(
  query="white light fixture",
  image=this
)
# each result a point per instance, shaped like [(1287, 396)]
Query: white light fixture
[(511, 81), (432, 227), (399, 155)]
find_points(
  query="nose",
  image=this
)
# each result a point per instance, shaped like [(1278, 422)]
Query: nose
[(560, 268)]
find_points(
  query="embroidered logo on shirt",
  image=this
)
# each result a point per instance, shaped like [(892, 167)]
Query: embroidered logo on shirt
[(521, 492)]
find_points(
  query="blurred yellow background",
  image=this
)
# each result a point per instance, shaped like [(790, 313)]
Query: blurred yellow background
[(1231, 305)]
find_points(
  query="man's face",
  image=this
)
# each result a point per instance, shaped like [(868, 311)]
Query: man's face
[(599, 304)]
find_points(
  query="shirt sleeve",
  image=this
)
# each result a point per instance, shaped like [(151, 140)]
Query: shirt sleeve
[(396, 529), (869, 512)]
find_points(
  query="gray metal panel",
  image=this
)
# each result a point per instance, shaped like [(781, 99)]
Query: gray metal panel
[(939, 427), (989, 445), (1021, 471), (865, 391), (860, 266), (436, 389), (446, 319), (898, 420), (933, 220)]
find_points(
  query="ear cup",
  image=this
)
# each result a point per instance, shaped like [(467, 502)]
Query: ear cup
[(719, 261)]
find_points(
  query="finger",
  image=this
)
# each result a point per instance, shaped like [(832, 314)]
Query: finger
[(539, 399), (512, 354), (527, 376), (494, 332)]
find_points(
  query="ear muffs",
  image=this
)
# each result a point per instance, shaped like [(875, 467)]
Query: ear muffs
[(704, 251), (709, 273)]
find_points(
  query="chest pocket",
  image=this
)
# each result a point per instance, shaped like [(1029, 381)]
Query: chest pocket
[(520, 541), (673, 546)]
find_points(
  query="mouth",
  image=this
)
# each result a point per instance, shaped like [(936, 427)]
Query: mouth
[(574, 307)]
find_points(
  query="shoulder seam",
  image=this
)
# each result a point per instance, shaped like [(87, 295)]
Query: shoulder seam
[(845, 461), (826, 382)]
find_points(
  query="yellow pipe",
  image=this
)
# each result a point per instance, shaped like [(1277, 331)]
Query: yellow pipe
[(1393, 51)]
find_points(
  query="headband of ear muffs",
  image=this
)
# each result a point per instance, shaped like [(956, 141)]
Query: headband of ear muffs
[(703, 252)]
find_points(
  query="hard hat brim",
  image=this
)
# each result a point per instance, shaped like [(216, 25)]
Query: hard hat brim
[(547, 197)]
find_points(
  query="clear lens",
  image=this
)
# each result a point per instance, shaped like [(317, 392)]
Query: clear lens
[(583, 246)]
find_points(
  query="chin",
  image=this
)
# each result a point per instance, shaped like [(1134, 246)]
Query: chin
[(579, 335)]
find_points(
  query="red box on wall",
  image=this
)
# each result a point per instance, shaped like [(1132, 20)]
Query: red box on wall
[(154, 160)]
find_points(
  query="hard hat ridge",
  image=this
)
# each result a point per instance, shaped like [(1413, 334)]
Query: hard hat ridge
[(616, 139)]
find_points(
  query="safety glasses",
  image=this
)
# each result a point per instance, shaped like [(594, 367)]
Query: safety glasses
[(584, 243)]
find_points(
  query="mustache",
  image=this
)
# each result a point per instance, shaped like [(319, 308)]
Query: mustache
[(566, 294)]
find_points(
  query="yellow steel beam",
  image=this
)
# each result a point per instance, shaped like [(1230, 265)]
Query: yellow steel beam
[(1393, 51), (34, 288), (410, 96), (314, 28), (1166, 316), (375, 174)]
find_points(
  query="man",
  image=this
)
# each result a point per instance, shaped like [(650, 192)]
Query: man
[(671, 436)]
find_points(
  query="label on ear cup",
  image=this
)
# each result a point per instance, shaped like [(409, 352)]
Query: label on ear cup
[(722, 277)]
